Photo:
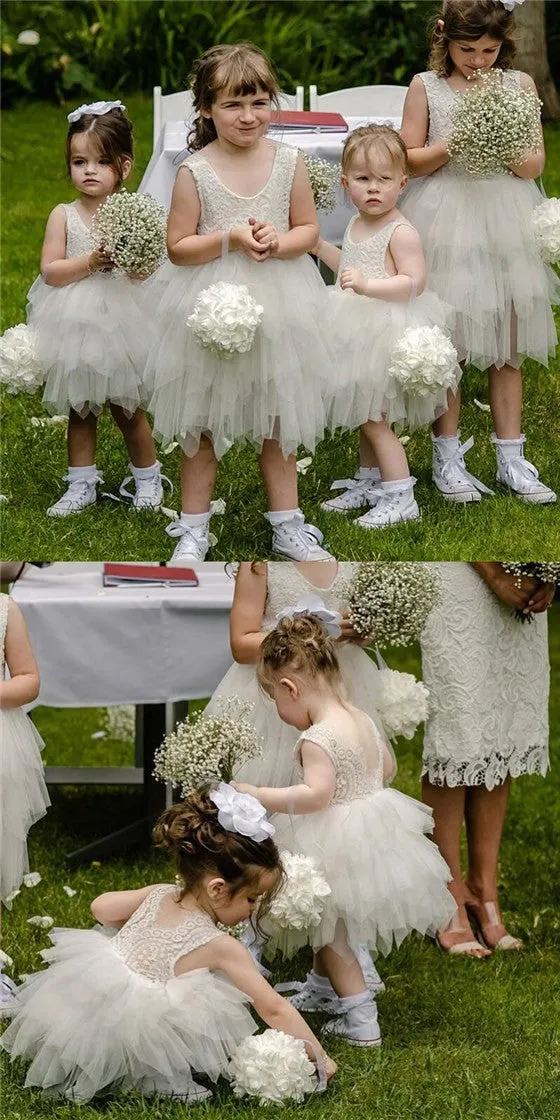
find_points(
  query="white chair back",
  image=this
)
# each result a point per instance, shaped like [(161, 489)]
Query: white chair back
[(361, 101), (178, 106)]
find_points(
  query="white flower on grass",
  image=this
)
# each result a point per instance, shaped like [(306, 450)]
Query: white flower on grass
[(545, 223), (225, 319), (29, 38), (20, 371), (303, 465), (403, 703), (208, 747), (132, 230), (69, 891), (120, 723), (32, 879), (495, 124), (424, 361), (274, 1067), (391, 600), (41, 921)]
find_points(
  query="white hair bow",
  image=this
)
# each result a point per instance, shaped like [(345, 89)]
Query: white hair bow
[(96, 109), (314, 607), (509, 4), (242, 813)]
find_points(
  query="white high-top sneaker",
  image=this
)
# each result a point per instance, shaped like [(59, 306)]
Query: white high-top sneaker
[(80, 494), (357, 1022), (518, 474), (148, 488), (296, 539), (356, 493), (315, 993), (194, 537), (449, 472), (395, 503)]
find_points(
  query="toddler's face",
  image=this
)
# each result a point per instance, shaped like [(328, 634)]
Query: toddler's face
[(469, 55), (90, 170), (374, 185), (240, 119)]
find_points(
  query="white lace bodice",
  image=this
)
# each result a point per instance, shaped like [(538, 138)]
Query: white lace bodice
[(440, 103), (78, 236), (4, 606), (358, 773), (221, 208), (150, 945), (369, 256), (286, 585)]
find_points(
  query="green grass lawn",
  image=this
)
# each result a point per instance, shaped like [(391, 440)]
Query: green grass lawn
[(35, 460), (463, 1039)]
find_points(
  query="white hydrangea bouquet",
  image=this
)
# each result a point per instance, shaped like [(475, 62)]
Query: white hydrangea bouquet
[(424, 361), (324, 178), (495, 124), (132, 230), (20, 372), (298, 905), (545, 224), (208, 747), (543, 571), (390, 601), (225, 319), (273, 1067), (403, 701)]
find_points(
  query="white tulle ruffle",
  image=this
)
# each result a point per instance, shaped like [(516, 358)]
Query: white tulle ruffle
[(23, 794)]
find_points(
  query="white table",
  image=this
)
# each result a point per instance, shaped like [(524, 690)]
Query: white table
[(170, 151), (148, 646)]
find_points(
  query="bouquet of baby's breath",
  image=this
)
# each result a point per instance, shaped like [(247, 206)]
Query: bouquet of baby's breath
[(208, 747), (543, 571), (495, 124), (391, 600), (324, 178), (120, 723), (132, 230)]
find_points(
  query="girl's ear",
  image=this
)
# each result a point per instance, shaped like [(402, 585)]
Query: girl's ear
[(404, 182), (126, 168), (290, 687), (216, 889), (344, 182)]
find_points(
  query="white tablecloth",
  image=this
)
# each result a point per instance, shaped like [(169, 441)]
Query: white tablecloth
[(170, 151), (97, 646)]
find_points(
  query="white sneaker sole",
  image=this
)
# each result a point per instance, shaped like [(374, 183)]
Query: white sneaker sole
[(288, 556), (328, 508), (413, 515), (462, 497), (358, 1042), (546, 499), (52, 512)]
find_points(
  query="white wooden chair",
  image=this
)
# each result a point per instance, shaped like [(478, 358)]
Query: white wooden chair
[(178, 107), (361, 101)]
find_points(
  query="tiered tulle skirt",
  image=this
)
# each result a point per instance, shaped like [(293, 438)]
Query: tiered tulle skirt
[(23, 795)]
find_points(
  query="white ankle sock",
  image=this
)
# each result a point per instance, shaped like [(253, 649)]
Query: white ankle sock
[(144, 472), (508, 448), (278, 516), (87, 473), (394, 486), (321, 982), (446, 444), (195, 519), (369, 472)]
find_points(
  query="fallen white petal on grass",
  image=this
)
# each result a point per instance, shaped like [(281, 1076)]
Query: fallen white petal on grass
[(5, 959), (303, 465), (13, 895), (219, 506), (483, 407), (404, 440), (69, 891), (3, 498), (172, 513), (42, 921), (99, 735), (48, 421), (32, 879)]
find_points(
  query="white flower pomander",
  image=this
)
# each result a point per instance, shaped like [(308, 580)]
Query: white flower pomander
[(20, 371), (225, 318), (545, 223), (424, 361), (274, 1067), (300, 901), (241, 812), (403, 703)]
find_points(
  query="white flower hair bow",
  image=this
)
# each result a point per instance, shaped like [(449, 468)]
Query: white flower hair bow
[(313, 606), (242, 813), (509, 4), (97, 109)]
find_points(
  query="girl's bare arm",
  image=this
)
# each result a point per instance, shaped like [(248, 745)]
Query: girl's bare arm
[(414, 132), (245, 625), (23, 685)]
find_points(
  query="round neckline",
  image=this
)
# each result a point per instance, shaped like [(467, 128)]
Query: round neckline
[(243, 197), (328, 587)]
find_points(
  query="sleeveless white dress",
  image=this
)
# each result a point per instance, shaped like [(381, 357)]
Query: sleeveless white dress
[(365, 331), (92, 336), (109, 1012), (23, 794), (275, 390), (386, 877), (488, 675), (286, 585), (480, 253)]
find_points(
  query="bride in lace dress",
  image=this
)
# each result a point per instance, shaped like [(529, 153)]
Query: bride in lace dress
[(488, 678)]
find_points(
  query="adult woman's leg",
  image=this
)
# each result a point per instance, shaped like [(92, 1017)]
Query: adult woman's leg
[(485, 812)]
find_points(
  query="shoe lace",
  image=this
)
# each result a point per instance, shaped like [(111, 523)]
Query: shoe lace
[(453, 469), (145, 487)]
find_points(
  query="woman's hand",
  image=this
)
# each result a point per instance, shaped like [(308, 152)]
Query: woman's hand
[(266, 235), (349, 634), (542, 598), (98, 261), (242, 240), (245, 787), (514, 591), (354, 279)]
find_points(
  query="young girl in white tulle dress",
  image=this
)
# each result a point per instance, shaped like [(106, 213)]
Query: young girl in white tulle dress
[(156, 993), (481, 255), (91, 324), (23, 794), (242, 212), (386, 877), (380, 293)]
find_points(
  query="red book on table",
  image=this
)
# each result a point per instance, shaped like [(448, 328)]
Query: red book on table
[(299, 120), (117, 575)]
